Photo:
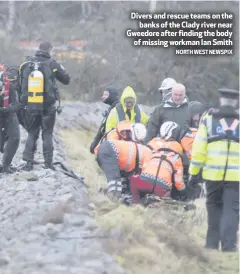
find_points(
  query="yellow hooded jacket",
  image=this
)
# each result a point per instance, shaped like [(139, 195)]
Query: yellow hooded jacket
[(113, 118)]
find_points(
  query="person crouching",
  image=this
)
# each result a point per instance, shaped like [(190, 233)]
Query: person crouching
[(165, 169), (115, 156)]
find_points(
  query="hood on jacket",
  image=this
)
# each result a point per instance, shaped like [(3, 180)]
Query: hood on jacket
[(127, 93), (113, 96), (168, 103), (196, 107), (167, 98), (42, 53)]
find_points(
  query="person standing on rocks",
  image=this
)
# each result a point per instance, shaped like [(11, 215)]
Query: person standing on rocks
[(9, 125), (41, 106)]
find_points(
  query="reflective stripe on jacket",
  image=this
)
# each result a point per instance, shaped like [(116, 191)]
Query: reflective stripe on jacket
[(159, 170), (126, 153), (111, 135), (218, 158)]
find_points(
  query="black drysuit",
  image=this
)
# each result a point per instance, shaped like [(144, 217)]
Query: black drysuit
[(46, 121), (112, 100), (9, 128)]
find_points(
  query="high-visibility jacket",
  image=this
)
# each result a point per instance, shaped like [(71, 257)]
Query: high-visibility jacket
[(165, 167), (156, 143), (119, 113), (130, 155), (118, 133), (216, 148), (187, 142)]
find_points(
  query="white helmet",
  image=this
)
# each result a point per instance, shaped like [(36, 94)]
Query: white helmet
[(139, 132), (170, 129), (167, 83)]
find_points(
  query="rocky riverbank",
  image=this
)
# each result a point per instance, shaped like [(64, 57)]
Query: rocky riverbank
[(45, 221)]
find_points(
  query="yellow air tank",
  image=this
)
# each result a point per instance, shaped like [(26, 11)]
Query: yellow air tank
[(35, 90)]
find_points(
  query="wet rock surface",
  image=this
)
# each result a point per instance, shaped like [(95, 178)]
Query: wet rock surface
[(45, 223)]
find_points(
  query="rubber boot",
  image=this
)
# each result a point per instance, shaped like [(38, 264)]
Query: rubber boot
[(48, 163), (28, 166)]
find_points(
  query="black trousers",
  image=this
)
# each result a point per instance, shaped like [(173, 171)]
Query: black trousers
[(107, 160), (223, 215), (10, 136), (44, 122)]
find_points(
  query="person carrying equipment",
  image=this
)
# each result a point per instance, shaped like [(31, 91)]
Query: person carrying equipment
[(126, 109), (165, 170), (116, 156), (39, 94), (216, 151)]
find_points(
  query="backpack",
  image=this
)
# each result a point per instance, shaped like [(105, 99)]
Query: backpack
[(38, 89)]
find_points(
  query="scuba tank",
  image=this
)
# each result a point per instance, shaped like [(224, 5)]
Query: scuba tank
[(35, 90)]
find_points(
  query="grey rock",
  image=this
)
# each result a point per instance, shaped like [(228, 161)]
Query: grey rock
[(67, 198), (74, 219), (29, 176), (4, 258)]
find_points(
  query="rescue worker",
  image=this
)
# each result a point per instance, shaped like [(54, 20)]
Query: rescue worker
[(196, 109), (126, 109), (121, 132), (216, 149), (174, 109), (9, 125), (46, 121), (116, 156), (110, 97), (165, 170), (166, 88)]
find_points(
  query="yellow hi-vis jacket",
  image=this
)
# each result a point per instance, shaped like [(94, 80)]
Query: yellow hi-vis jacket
[(215, 151), (137, 115)]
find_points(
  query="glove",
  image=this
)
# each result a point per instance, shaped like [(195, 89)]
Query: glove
[(94, 144), (59, 109), (92, 147), (192, 181)]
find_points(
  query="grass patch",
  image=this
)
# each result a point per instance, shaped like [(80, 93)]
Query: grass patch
[(161, 240)]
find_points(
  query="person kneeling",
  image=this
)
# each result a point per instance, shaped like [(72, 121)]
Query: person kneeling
[(116, 156), (164, 171)]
